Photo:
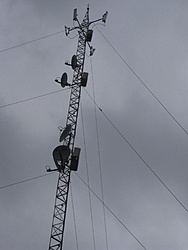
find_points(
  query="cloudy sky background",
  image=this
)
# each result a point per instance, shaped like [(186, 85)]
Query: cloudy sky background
[(152, 38)]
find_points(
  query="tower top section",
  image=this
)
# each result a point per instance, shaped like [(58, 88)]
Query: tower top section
[(80, 28)]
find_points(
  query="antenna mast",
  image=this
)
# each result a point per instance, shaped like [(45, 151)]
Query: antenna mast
[(66, 156)]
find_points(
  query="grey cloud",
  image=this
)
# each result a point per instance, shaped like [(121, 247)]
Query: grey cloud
[(152, 38)]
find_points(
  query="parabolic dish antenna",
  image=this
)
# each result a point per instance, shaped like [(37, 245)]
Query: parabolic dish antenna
[(65, 133), (64, 80), (74, 62), (61, 155)]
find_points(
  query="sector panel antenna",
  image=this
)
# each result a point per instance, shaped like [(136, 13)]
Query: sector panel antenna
[(65, 133)]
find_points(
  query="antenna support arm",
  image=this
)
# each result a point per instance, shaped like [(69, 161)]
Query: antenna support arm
[(67, 30), (103, 18)]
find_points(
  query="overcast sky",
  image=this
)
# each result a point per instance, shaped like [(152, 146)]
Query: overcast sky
[(151, 36)]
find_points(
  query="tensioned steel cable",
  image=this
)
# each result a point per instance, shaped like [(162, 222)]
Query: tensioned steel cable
[(44, 175), (99, 156), (32, 98), (101, 109), (87, 171), (23, 181), (136, 152), (112, 213), (31, 41), (133, 71), (74, 216)]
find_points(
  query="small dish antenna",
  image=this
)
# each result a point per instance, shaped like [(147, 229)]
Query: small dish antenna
[(65, 133), (63, 80), (74, 62)]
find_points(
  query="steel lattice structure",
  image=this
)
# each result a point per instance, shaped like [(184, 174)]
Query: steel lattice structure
[(62, 191), (60, 208)]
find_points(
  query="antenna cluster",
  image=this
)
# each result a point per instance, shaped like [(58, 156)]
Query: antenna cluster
[(74, 62), (61, 153)]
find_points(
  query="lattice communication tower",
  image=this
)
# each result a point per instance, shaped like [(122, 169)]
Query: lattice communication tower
[(66, 156)]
